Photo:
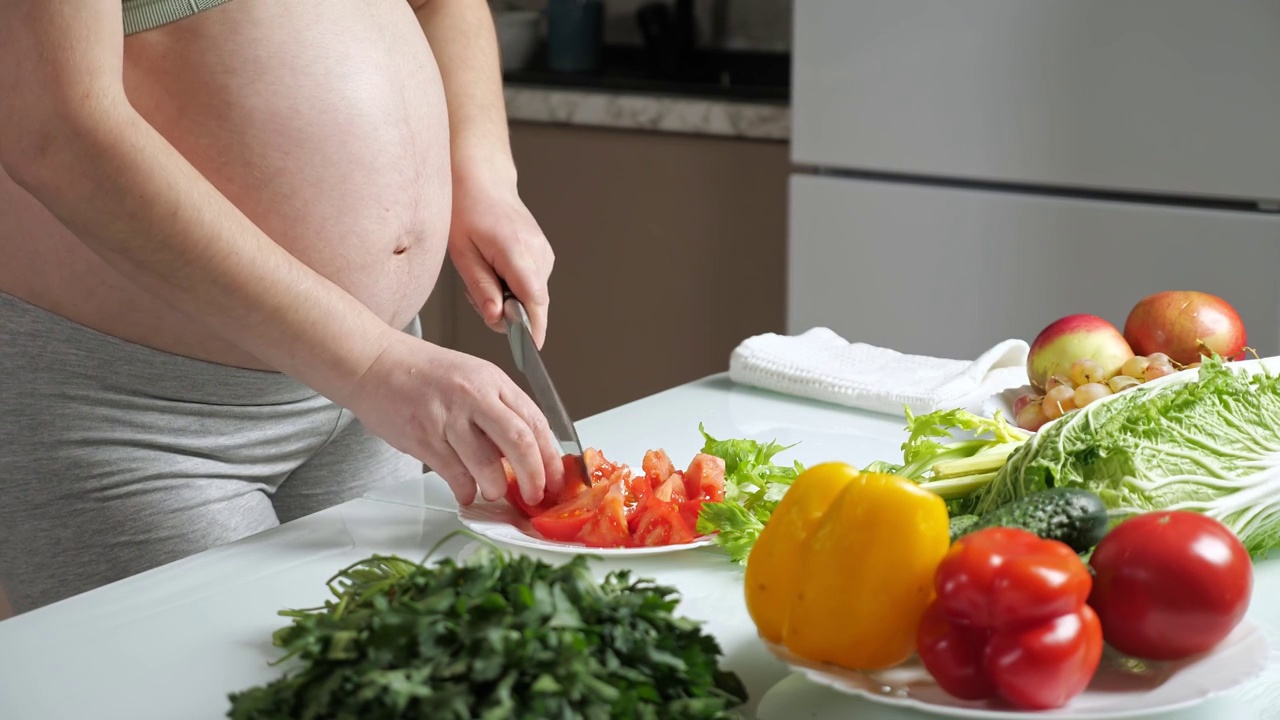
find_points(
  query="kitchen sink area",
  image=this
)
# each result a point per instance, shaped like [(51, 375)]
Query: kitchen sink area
[(758, 76)]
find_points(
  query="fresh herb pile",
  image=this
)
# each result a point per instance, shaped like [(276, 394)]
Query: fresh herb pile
[(492, 638), (752, 489)]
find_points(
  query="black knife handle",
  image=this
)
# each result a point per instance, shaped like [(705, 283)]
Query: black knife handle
[(506, 291)]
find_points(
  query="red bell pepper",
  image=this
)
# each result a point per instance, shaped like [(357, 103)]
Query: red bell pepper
[(1011, 620)]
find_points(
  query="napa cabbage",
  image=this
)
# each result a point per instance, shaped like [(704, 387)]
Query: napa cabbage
[(1206, 440)]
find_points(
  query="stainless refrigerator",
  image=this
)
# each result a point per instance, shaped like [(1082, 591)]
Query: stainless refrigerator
[(970, 170)]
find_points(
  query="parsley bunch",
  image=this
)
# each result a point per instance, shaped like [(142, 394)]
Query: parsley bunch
[(493, 638)]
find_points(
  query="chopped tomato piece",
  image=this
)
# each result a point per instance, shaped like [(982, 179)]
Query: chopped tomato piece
[(658, 466), (598, 467), (638, 488), (705, 478), (564, 521), (660, 524), (671, 489), (689, 511), (572, 486), (607, 527)]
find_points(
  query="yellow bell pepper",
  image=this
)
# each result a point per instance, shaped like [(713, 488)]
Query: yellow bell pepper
[(843, 570)]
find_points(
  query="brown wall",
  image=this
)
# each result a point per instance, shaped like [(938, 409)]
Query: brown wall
[(669, 251)]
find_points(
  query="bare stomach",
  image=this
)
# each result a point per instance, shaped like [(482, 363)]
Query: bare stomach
[(323, 121)]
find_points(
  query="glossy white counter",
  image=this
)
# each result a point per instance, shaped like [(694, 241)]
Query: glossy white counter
[(170, 644)]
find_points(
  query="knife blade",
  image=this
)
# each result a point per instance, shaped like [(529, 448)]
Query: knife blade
[(529, 361)]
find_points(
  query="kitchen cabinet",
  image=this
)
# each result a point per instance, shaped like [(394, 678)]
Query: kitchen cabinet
[(670, 250)]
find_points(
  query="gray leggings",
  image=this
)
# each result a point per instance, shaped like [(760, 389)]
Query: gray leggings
[(116, 458)]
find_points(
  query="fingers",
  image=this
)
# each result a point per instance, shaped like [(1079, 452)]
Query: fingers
[(520, 444), (548, 447), (481, 284), (450, 467), (529, 284), (481, 458)]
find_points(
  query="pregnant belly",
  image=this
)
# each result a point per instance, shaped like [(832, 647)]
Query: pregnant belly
[(323, 121)]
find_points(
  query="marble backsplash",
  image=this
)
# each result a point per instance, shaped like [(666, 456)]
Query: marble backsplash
[(742, 24)]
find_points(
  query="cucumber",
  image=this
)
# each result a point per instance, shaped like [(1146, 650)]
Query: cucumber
[(1074, 516)]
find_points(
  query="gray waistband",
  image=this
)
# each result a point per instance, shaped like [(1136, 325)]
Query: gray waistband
[(36, 342), (142, 15)]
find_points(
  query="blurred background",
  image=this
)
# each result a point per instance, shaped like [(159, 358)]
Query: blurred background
[(932, 176)]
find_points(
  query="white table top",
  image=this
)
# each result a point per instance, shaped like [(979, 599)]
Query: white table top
[(170, 644)]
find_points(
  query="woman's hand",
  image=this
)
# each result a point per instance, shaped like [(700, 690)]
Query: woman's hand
[(493, 235), (460, 415)]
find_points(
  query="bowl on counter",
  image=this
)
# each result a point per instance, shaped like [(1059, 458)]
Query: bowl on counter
[(518, 35)]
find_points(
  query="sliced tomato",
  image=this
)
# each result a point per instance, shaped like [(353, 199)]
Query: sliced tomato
[(638, 488), (705, 478), (658, 466), (572, 486), (673, 488), (598, 466), (607, 527), (564, 521), (689, 511), (660, 524)]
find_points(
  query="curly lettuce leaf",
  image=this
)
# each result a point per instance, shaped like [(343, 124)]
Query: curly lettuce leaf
[(752, 489), (1206, 441)]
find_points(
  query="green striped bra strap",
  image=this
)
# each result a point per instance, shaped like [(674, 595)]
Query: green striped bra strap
[(142, 15)]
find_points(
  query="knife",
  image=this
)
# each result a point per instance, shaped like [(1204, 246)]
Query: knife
[(525, 353)]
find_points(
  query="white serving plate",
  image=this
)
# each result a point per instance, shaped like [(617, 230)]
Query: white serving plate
[(1003, 400), (1120, 689), (501, 522)]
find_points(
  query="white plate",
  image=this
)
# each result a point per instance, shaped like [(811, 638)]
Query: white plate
[(1003, 400), (501, 522), (1120, 689)]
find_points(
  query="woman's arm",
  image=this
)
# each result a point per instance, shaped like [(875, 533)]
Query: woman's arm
[(493, 235)]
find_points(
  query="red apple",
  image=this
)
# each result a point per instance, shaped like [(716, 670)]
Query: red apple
[(1072, 338), (1185, 324)]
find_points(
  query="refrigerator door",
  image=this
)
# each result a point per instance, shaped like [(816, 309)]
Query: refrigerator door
[(1175, 97), (950, 272)]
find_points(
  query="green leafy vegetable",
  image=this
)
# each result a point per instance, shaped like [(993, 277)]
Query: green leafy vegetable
[(752, 489), (493, 638), (1206, 441), (954, 468)]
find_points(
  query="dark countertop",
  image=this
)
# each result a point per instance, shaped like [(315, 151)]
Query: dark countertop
[(756, 77)]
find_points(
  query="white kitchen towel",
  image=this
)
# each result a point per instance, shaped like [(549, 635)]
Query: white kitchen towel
[(821, 365)]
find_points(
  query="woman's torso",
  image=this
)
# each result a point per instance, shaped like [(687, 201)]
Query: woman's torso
[(323, 121)]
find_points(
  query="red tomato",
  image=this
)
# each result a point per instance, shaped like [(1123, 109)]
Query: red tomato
[(953, 654), (564, 521), (1170, 584), (637, 489), (660, 524), (705, 478), (658, 466), (607, 527), (689, 511), (671, 489), (572, 486), (1043, 666), (597, 466)]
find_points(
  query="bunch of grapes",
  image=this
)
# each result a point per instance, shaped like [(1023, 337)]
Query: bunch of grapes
[(1086, 383)]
